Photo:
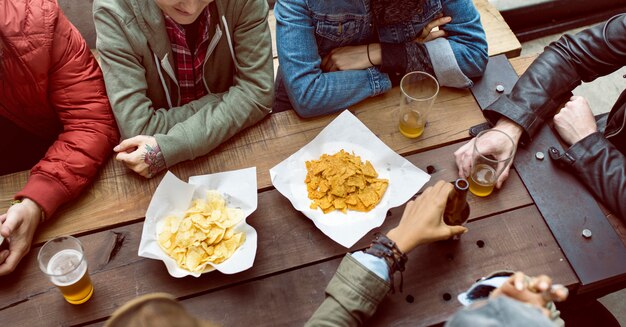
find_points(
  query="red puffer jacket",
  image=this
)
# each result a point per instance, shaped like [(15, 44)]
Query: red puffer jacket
[(52, 86)]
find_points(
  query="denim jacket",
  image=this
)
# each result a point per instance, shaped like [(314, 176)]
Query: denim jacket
[(307, 30)]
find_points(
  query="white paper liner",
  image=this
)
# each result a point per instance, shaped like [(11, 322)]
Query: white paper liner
[(174, 196), (349, 133)]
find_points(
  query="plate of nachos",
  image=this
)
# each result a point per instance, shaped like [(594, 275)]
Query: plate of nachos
[(346, 179)]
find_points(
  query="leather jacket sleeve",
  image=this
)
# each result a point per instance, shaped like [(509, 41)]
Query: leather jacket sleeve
[(601, 167), (540, 91)]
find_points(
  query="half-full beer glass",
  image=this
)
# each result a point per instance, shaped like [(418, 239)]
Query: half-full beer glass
[(419, 91), (493, 152), (62, 259)]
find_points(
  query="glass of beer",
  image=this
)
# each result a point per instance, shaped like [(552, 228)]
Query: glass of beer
[(62, 259), (419, 91), (489, 160)]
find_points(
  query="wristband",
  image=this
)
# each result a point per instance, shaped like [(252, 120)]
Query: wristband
[(387, 249)]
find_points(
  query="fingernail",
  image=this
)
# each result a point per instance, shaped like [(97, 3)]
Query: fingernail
[(543, 285), (116, 148), (519, 285)]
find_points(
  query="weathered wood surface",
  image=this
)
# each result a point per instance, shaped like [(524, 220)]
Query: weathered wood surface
[(519, 242), (108, 202), (286, 240), (118, 195), (514, 240), (500, 38)]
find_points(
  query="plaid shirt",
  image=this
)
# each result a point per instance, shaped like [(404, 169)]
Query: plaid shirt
[(188, 65)]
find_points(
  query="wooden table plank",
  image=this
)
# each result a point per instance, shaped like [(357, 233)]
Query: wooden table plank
[(515, 241), (120, 196), (286, 240), (500, 37)]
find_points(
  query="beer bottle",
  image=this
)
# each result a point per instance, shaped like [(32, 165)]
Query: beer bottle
[(457, 209)]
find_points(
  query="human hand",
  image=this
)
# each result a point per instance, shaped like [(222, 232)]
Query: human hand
[(428, 32), (536, 291), (352, 58), (19, 224), (422, 220), (498, 147), (141, 154), (575, 121)]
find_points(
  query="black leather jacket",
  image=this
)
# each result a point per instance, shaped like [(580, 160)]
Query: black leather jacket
[(598, 160)]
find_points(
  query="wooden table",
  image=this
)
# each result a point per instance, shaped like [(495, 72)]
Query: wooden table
[(294, 261)]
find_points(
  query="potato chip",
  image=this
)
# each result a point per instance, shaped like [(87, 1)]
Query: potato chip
[(205, 233), (342, 181)]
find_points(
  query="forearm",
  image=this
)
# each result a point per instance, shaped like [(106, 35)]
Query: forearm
[(602, 168), (312, 91), (77, 94), (136, 115), (352, 296), (324, 93), (547, 83), (462, 54), (210, 127)]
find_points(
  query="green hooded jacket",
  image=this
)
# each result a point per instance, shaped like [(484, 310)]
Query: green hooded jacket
[(139, 73)]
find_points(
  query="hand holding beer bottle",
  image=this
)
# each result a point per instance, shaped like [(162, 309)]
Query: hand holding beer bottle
[(422, 220), (19, 224)]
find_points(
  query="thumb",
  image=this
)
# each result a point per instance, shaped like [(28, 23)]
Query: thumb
[(11, 224), (127, 144), (456, 230)]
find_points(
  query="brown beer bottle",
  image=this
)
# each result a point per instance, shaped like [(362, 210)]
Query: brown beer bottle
[(457, 209)]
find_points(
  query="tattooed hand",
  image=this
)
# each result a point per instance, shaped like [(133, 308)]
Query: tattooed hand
[(141, 154)]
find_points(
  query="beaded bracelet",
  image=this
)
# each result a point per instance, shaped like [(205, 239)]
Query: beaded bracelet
[(387, 249)]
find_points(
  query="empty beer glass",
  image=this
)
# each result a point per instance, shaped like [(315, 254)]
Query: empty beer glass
[(62, 259), (419, 91), (493, 152)]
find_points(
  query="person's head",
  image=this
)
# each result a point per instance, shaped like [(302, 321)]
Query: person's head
[(154, 310), (183, 11)]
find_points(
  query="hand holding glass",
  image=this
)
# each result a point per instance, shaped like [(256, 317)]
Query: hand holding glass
[(493, 152), (419, 91), (62, 259)]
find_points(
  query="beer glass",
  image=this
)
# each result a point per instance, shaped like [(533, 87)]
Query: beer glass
[(62, 259), (489, 160), (419, 91)]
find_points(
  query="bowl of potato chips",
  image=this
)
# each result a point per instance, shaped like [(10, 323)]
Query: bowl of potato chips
[(346, 179), (200, 226)]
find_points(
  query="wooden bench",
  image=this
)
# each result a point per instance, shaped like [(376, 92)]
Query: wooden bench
[(500, 38)]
